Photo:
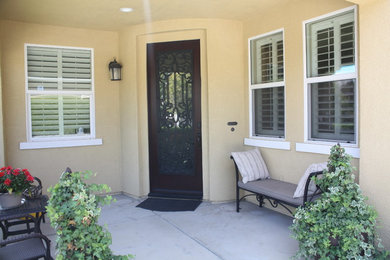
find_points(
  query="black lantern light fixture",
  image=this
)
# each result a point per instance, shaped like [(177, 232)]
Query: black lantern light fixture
[(115, 70)]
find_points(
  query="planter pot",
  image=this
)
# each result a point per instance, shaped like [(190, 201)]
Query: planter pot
[(9, 201)]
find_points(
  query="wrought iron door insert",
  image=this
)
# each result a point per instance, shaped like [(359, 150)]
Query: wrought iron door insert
[(174, 118)]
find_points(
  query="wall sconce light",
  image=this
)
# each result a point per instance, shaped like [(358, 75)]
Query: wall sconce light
[(115, 70)]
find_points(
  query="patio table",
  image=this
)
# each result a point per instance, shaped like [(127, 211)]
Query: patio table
[(32, 209)]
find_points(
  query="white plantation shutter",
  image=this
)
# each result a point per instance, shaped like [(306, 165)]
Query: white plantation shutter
[(269, 111), (280, 60), (76, 70), (267, 59), (76, 114), (44, 115), (325, 52), (42, 68), (266, 63), (347, 109), (347, 51), (60, 91), (333, 110), (331, 52), (331, 46), (267, 85)]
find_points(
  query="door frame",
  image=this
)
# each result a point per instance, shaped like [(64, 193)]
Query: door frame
[(197, 120)]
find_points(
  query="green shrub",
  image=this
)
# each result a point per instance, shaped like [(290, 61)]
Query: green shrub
[(74, 210), (340, 224)]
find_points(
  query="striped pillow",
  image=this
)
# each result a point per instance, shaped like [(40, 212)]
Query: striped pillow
[(315, 167), (251, 165)]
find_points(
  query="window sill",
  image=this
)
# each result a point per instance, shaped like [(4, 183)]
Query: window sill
[(59, 144), (272, 143), (325, 149)]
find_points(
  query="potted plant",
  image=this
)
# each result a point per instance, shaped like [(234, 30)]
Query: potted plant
[(340, 224), (13, 182), (74, 210)]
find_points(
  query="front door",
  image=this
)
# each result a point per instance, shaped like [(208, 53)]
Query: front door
[(174, 114)]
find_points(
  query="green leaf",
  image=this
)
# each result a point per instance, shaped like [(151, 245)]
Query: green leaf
[(74, 210)]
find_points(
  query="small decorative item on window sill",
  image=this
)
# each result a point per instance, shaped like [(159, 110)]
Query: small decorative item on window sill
[(13, 182), (115, 70)]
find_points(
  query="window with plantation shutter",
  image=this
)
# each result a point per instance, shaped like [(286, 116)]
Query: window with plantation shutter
[(59, 93), (267, 85), (331, 78), (269, 111)]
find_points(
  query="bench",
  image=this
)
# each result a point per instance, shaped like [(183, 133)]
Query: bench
[(275, 191)]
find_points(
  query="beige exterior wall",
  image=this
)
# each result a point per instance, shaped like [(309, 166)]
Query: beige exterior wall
[(375, 109), (222, 66), (1, 109), (289, 17), (48, 164)]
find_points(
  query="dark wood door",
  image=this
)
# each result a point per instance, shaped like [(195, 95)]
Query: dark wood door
[(174, 114)]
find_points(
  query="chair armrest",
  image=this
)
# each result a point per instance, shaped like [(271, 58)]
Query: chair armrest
[(307, 186)]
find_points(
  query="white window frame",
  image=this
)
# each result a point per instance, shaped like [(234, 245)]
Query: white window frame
[(59, 141), (266, 141), (323, 146)]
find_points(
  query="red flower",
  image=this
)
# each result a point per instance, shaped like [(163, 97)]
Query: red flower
[(2, 168), (7, 182), (15, 180), (16, 172), (26, 172)]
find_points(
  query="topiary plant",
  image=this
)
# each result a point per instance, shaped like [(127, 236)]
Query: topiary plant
[(74, 210), (340, 224)]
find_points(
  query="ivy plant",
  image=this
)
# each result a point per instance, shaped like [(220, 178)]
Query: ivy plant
[(74, 210), (340, 224)]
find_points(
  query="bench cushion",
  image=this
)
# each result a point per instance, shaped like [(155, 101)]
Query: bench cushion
[(251, 165), (279, 190)]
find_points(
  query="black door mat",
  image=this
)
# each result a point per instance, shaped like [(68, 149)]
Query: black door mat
[(158, 204)]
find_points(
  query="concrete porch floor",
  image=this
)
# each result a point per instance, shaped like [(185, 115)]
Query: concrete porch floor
[(211, 232)]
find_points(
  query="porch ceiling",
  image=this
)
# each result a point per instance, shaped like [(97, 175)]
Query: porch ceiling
[(105, 14)]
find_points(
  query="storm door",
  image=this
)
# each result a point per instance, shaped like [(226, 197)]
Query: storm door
[(174, 114)]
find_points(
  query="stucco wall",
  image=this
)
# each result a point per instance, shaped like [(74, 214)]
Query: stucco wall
[(289, 165), (1, 109), (48, 164), (222, 76), (375, 109)]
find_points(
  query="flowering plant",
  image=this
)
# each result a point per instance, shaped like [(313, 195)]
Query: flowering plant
[(15, 180)]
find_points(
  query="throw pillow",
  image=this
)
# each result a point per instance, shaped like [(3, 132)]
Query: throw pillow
[(251, 165), (315, 167)]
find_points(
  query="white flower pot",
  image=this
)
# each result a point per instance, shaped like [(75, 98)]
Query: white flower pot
[(9, 201)]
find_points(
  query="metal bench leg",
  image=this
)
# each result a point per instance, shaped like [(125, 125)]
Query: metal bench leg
[(260, 199), (237, 199)]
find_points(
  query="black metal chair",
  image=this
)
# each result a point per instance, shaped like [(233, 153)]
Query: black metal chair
[(27, 247), (33, 192)]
